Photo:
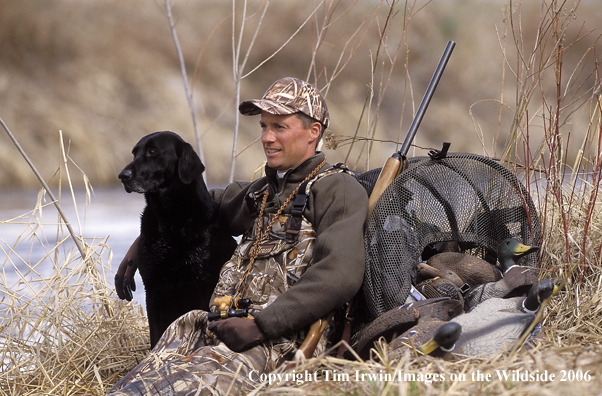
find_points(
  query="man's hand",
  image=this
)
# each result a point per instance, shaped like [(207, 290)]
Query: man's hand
[(237, 333), (124, 279)]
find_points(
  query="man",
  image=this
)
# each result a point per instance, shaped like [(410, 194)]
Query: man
[(300, 258)]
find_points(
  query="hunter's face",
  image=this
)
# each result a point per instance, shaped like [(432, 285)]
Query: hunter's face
[(285, 141)]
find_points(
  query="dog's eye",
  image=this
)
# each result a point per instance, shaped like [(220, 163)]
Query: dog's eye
[(152, 152)]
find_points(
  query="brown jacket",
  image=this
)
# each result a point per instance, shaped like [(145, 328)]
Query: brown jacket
[(337, 208)]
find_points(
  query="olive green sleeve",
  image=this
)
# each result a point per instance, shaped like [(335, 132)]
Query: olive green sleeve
[(234, 211)]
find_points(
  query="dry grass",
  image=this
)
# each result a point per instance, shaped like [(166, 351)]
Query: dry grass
[(426, 375), (62, 329), (64, 332)]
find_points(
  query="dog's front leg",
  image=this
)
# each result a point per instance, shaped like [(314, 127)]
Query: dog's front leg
[(124, 278)]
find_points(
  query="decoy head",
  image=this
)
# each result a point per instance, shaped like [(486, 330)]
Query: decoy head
[(539, 292), (427, 272), (510, 250), (445, 337)]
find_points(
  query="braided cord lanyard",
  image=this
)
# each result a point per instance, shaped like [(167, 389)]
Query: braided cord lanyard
[(261, 236)]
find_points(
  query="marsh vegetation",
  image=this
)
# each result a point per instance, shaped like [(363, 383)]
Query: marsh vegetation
[(523, 86)]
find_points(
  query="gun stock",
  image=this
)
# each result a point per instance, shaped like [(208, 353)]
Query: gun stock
[(313, 336), (396, 163), (388, 173)]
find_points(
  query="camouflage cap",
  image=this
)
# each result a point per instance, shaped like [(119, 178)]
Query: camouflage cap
[(288, 96)]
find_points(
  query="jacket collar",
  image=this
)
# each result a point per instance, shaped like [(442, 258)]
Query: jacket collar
[(298, 173)]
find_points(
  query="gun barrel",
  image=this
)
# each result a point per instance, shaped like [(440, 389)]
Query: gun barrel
[(426, 99), (395, 164)]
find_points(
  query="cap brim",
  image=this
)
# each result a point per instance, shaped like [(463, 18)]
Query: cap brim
[(256, 106)]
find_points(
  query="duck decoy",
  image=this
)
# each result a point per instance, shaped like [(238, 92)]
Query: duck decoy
[(441, 283), (510, 251), (474, 270), (496, 323), (541, 291), (399, 320), (427, 271), (444, 339), (440, 247), (443, 334), (517, 281)]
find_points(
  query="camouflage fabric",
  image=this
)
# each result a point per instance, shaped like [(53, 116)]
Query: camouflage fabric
[(188, 358), (288, 96), (278, 265)]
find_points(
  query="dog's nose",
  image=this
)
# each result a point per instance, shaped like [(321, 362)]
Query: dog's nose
[(125, 175)]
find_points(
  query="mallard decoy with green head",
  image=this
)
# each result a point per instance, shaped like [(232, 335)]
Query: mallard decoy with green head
[(497, 323), (432, 334), (443, 340), (474, 270), (510, 251), (399, 320)]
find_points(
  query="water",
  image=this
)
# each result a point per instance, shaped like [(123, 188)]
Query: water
[(110, 213)]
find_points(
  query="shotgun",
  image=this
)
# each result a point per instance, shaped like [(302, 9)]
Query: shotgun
[(397, 162), (390, 170)]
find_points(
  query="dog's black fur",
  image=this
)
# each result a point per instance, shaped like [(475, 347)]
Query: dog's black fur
[(182, 245)]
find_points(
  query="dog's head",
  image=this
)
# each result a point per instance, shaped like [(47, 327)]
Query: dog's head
[(160, 160)]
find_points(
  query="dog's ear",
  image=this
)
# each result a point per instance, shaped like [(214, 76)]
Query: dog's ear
[(189, 166)]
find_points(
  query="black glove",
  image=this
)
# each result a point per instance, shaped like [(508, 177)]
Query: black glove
[(124, 278), (237, 333)]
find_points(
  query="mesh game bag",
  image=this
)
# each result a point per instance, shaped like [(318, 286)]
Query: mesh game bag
[(466, 198)]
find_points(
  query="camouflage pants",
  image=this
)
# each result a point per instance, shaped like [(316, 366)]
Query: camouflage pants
[(187, 360)]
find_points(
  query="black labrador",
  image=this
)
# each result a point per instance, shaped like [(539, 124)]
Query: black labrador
[(182, 245)]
